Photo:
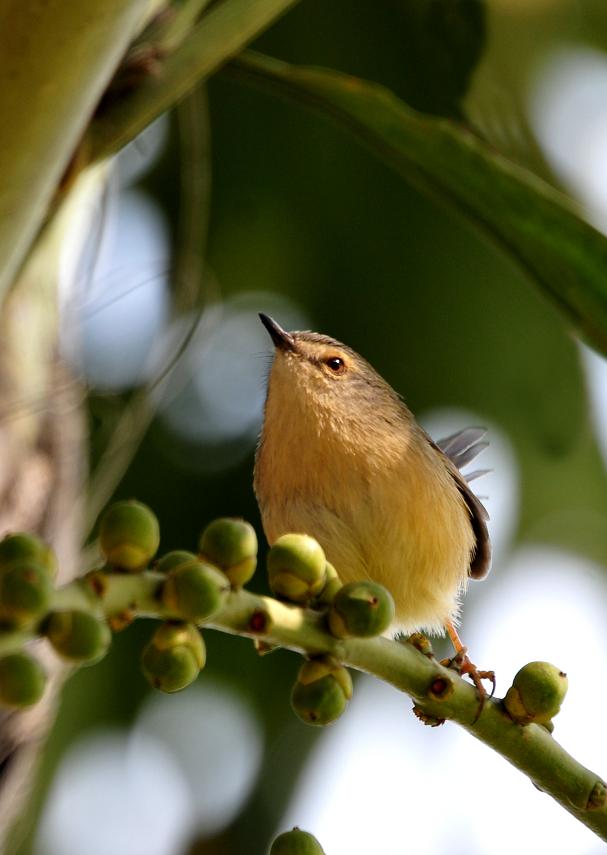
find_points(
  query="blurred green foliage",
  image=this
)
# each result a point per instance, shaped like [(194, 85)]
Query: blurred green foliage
[(298, 208)]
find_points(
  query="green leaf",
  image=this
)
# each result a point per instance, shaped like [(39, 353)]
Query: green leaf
[(445, 40), (533, 223), (56, 58), (222, 33)]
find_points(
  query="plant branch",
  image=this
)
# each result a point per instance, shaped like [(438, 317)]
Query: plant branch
[(180, 23), (221, 34), (437, 690)]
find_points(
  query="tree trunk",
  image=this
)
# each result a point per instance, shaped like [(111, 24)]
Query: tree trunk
[(42, 471)]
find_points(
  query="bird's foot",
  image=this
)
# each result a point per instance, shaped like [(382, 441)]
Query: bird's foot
[(462, 663)]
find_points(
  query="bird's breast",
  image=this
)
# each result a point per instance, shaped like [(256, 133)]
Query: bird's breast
[(396, 517)]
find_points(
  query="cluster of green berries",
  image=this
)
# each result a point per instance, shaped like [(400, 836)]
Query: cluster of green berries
[(27, 569), (195, 586), (299, 572)]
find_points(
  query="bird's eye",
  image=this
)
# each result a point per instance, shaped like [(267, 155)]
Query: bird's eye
[(335, 364)]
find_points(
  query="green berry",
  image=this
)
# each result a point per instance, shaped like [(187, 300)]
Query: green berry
[(174, 656), (174, 559), (536, 694), (78, 636), (323, 666), (129, 535), (297, 567), (322, 691), (331, 572), (25, 592), (194, 590), (231, 544), (362, 610), (332, 585), (22, 680), (296, 842), (318, 703), (27, 547)]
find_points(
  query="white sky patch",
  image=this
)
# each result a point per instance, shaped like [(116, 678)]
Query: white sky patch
[(567, 105), (217, 742), (94, 201), (113, 269), (186, 768), (221, 381), (381, 782), (119, 307), (112, 796)]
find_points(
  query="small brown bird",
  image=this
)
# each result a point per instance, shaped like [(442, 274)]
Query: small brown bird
[(342, 458)]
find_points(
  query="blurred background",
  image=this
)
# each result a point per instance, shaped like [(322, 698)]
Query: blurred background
[(255, 204)]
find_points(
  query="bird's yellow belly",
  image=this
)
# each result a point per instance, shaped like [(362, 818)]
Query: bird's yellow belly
[(420, 551)]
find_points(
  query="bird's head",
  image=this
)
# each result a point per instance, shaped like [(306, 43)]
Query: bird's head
[(313, 373)]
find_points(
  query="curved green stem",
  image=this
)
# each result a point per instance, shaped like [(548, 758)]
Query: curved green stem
[(437, 691), (223, 31)]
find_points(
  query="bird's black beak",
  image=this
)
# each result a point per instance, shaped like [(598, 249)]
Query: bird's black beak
[(281, 338)]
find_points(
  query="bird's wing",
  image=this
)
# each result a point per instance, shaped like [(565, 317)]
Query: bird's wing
[(458, 450), (481, 560), (478, 473), (462, 447)]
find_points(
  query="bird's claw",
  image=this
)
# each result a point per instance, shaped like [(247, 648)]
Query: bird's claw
[(463, 665)]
